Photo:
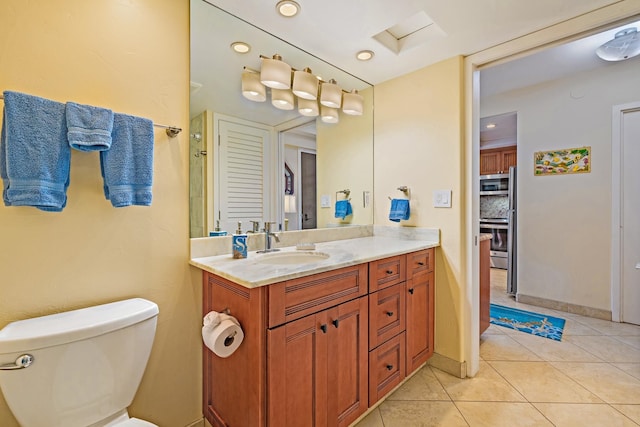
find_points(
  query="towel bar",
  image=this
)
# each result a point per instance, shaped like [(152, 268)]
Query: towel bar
[(346, 193), (172, 131)]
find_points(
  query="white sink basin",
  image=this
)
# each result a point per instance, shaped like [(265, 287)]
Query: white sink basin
[(292, 258)]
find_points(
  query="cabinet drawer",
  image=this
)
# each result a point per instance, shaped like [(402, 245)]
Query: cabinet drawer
[(386, 367), (387, 272), (387, 314), (297, 298), (420, 262)]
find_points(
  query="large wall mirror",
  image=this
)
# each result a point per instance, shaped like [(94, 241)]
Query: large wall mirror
[(250, 161)]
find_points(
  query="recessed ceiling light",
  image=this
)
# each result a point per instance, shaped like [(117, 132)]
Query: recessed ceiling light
[(491, 125), (288, 8), (240, 47), (364, 55)]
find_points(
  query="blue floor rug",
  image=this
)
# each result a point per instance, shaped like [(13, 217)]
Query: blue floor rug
[(526, 321)]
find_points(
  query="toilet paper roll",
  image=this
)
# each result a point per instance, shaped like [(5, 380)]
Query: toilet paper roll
[(224, 337)]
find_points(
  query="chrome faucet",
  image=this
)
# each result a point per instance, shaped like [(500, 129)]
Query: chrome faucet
[(268, 234)]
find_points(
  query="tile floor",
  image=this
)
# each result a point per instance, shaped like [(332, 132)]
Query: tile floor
[(590, 378)]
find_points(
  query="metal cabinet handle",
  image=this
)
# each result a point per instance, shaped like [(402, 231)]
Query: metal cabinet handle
[(421, 263), (324, 328), (411, 291), (23, 361), (389, 271), (389, 367), (336, 322), (389, 313)]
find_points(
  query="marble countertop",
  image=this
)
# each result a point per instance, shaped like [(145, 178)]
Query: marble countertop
[(251, 272)]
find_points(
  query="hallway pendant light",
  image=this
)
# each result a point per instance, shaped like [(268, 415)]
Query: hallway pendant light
[(252, 88), (282, 99), (307, 107), (352, 103), (275, 73), (305, 84), (331, 94), (329, 115)]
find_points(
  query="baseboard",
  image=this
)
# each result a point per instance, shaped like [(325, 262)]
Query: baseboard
[(450, 366), (198, 423), (565, 306)]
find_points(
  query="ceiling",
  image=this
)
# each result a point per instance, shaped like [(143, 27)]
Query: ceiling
[(335, 30), (326, 34)]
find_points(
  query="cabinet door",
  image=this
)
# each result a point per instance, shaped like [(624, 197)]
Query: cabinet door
[(296, 365), (420, 293), (348, 370), (509, 158), (490, 162)]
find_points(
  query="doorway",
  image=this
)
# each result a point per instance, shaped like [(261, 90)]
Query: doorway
[(625, 219), (309, 190)]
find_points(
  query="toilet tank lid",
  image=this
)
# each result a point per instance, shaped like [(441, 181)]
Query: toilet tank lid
[(75, 325)]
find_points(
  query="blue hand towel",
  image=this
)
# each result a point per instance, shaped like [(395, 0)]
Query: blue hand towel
[(34, 152), (89, 128), (343, 209), (127, 167), (399, 210)]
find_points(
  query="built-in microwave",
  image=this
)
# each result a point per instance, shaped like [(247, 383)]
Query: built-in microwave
[(494, 184)]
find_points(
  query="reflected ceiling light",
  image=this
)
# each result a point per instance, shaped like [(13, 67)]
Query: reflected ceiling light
[(305, 84), (329, 115), (331, 94), (352, 103), (282, 99), (252, 88), (307, 107), (275, 73), (240, 47), (288, 8), (491, 125), (364, 55), (625, 45)]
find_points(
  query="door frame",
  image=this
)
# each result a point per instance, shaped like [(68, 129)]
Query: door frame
[(618, 112)]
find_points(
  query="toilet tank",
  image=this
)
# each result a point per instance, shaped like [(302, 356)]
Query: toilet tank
[(87, 363)]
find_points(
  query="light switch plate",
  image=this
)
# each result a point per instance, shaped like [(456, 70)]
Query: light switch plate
[(325, 201), (442, 198)]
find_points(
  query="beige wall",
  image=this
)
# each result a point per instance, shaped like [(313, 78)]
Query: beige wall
[(345, 161), (419, 143), (131, 56)]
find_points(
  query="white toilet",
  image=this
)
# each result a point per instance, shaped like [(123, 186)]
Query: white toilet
[(79, 368)]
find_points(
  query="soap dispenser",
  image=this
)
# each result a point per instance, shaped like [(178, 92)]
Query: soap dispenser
[(217, 232), (239, 243)]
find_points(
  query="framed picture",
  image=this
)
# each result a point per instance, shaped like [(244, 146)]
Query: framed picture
[(288, 180), (562, 162)]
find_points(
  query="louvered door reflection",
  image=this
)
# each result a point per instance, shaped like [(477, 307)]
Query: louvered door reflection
[(243, 174)]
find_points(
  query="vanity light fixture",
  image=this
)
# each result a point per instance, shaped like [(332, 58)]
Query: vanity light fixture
[(240, 47), (288, 8), (282, 99), (329, 115), (364, 55), (331, 94), (308, 107), (352, 103), (305, 84), (252, 89), (275, 73)]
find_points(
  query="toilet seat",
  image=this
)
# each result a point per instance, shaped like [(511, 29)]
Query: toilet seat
[(134, 422)]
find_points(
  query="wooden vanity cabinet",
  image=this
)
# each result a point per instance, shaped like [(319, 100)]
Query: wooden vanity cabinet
[(420, 308), (319, 350), (317, 368)]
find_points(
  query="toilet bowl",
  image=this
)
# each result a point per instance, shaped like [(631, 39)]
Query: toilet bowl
[(78, 368)]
